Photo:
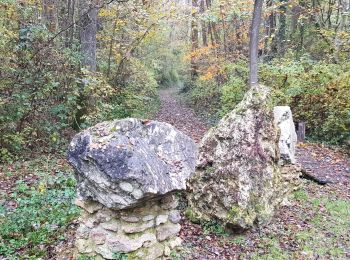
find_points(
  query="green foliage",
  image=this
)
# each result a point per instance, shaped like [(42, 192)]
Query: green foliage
[(213, 227), (330, 222), (175, 256), (300, 195), (41, 215), (205, 96), (141, 90), (317, 92), (192, 216), (232, 94), (120, 256), (38, 86)]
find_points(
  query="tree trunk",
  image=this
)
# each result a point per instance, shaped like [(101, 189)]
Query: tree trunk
[(48, 12), (281, 37), (194, 38), (203, 25), (254, 42), (88, 29)]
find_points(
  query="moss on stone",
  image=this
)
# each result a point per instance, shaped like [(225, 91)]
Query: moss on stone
[(192, 216)]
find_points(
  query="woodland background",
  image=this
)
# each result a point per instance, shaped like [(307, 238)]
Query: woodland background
[(66, 65)]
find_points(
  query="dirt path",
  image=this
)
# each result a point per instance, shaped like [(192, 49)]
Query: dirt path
[(175, 112), (327, 165)]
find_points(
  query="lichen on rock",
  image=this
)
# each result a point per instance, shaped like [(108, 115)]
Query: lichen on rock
[(128, 171), (238, 178), (124, 163)]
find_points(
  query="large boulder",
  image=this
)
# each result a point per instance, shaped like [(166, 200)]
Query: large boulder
[(124, 163), (288, 136), (238, 177)]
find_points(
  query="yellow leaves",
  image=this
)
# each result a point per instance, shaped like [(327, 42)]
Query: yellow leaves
[(42, 187), (106, 12), (211, 72), (199, 52)]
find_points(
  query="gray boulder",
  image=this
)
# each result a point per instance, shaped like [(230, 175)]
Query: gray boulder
[(124, 163), (237, 180), (288, 136)]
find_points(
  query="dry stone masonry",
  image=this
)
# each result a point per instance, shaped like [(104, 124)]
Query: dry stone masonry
[(239, 179), (127, 172)]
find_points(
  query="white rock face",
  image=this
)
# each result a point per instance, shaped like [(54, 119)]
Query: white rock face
[(288, 137), (124, 163)]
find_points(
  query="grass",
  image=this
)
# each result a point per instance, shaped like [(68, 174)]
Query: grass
[(35, 213), (315, 225), (326, 233)]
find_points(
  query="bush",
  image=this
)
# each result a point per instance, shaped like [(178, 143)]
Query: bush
[(141, 90), (317, 92)]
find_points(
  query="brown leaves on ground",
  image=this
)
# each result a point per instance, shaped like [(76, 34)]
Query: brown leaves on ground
[(175, 112)]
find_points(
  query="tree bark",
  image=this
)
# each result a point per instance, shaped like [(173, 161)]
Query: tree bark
[(88, 30), (254, 42), (203, 25), (48, 12), (194, 38)]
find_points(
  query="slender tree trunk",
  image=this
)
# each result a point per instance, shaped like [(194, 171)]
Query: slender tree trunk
[(203, 25), (194, 38), (281, 37), (48, 11), (254, 42), (88, 30)]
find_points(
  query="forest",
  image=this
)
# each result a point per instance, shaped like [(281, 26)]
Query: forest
[(66, 66)]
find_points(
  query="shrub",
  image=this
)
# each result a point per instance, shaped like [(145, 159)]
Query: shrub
[(317, 92)]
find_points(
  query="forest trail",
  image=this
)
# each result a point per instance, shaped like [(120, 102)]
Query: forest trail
[(176, 112), (325, 164), (296, 219)]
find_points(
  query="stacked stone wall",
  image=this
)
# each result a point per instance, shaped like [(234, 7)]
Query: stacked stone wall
[(146, 232)]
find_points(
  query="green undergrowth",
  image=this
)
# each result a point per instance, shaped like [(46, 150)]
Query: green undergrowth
[(325, 232), (316, 225), (317, 92), (35, 213)]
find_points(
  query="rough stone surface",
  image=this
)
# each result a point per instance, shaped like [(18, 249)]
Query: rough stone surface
[(161, 219), (141, 233), (168, 230), (124, 163), (288, 136), (89, 206), (174, 216), (238, 179)]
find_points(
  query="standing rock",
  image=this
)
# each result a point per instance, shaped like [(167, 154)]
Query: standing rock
[(124, 163), (237, 178), (288, 136)]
